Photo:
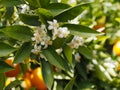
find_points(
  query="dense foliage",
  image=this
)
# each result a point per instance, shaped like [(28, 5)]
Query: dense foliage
[(71, 40)]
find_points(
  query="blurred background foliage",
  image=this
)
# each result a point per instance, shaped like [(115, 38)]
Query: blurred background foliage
[(99, 65)]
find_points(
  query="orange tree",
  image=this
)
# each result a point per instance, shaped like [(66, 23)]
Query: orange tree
[(60, 44)]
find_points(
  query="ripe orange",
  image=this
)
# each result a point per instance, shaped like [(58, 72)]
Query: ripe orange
[(116, 48), (100, 28), (14, 72), (27, 81), (37, 79), (118, 66)]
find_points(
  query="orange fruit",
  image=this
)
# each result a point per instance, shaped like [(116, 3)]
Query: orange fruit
[(27, 81), (116, 48), (100, 28), (37, 79), (118, 66), (12, 73)]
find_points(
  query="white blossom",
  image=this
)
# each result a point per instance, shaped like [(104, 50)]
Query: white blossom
[(41, 39), (90, 66), (76, 42), (77, 57), (36, 49), (53, 25), (61, 32)]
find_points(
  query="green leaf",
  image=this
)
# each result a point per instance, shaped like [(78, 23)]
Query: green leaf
[(13, 84), (5, 49), (53, 58), (58, 42), (23, 53), (4, 67), (2, 81), (70, 84), (47, 73), (101, 73), (85, 85), (30, 19), (68, 53), (44, 14), (70, 13), (33, 4), (9, 3), (54, 1), (44, 3), (81, 69), (85, 51), (18, 32), (9, 12), (80, 30), (64, 1), (57, 8)]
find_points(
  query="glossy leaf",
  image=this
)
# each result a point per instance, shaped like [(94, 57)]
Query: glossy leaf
[(101, 73), (85, 85), (9, 3), (68, 53), (70, 13), (4, 67), (30, 19), (2, 81), (70, 84), (54, 1), (85, 51), (47, 73), (58, 42), (22, 33), (57, 8), (81, 69), (81, 30), (53, 58), (6, 49), (44, 14), (44, 3), (23, 53), (33, 4), (9, 12)]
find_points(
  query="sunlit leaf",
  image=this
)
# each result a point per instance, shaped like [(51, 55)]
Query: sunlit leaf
[(101, 73), (70, 13), (22, 33), (81, 30), (57, 8), (6, 49), (44, 14), (9, 3)]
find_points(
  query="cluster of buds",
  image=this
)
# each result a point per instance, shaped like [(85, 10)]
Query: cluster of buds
[(57, 31)]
